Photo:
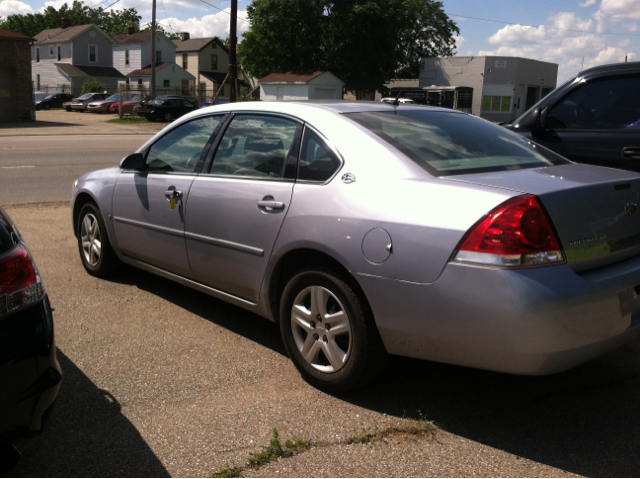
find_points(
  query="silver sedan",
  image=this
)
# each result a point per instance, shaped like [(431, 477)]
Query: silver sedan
[(368, 229)]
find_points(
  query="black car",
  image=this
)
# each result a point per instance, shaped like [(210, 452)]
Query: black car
[(53, 101), (165, 108), (593, 118), (29, 371)]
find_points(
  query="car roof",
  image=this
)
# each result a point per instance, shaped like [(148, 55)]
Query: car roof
[(611, 67)]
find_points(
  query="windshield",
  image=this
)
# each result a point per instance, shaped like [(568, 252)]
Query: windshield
[(86, 95), (48, 97), (446, 143), (156, 102), (113, 98)]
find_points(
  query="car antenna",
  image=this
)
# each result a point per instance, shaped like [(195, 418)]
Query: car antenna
[(397, 99)]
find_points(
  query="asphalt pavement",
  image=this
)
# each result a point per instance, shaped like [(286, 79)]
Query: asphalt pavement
[(160, 380)]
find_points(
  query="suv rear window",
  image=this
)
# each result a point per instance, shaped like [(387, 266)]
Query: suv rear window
[(447, 144)]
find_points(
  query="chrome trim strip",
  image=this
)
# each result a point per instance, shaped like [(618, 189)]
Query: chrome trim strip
[(188, 282), (225, 244), (161, 229)]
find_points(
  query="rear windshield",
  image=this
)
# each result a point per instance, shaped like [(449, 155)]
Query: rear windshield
[(447, 144), (7, 237), (86, 95)]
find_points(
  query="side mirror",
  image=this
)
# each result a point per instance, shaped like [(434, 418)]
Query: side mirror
[(532, 122), (135, 161)]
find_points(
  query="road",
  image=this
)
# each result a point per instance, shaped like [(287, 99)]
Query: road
[(35, 169), (160, 380)]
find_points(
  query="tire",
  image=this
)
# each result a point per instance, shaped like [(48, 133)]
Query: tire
[(96, 253), (68, 108), (47, 106), (311, 301), (167, 117)]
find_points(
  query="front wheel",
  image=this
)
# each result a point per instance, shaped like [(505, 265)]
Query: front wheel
[(47, 106), (168, 117), (329, 332), (96, 253)]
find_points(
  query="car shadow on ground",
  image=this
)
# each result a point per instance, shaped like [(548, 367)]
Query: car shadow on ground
[(584, 420), (87, 436), (38, 124)]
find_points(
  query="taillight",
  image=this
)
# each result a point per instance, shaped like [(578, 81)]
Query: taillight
[(516, 233), (19, 281)]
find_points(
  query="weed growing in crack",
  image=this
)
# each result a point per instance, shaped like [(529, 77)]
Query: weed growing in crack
[(364, 437), (269, 453), (229, 472)]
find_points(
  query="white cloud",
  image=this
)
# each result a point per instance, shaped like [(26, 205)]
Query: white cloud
[(207, 26), (624, 43), (459, 41), (609, 55), (14, 7), (587, 3), (620, 9)]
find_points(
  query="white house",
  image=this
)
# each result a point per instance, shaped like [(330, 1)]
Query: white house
[(301, 86), (132, 57)]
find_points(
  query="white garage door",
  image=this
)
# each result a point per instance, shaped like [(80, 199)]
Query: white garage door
[(325, 94)]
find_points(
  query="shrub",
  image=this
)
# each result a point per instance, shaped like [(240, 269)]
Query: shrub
[(91, 86)]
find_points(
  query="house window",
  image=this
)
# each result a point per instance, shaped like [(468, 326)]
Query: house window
[(214, 62), (59, 52), (185, 60), (139, 83), (93, 53), (500, 104), (37, 81), (126, 57), (158, 57), (37, 55), (166, 84), (51, 51)]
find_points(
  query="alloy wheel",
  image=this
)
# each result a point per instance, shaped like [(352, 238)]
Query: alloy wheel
[(91, 240), (321, 329)]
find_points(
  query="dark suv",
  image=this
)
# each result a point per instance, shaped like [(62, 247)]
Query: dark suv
[(593, 118)]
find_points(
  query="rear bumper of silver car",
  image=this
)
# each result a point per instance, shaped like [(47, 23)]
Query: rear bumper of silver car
[(528, 321)]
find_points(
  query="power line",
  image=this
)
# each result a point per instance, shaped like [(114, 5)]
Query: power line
[(546, 27), (111, 4), (239, 18), (166, 16)]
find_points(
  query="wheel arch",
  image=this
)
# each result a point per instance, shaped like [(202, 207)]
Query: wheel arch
[(298, 260)]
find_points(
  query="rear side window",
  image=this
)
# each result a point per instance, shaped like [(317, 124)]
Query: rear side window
[(602, 104), (8, 239), (180, 149), (317, 162), (446, 143)]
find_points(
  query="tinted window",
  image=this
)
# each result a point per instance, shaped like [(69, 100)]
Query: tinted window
[(7, 237), (255, 145), (156, 102), (317, 162), (454, 143), (188, 104), (600, 104), (180, 149)]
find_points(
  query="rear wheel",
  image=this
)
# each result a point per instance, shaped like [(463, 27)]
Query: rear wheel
[(96, 253), (46, 106), (329, 332), (168, 117)]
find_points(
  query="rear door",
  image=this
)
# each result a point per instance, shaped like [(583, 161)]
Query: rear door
[(598, 123), (148, 225), (236, 210)]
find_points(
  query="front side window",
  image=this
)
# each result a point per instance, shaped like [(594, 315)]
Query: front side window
[(255, 146), (317, 162), (180, 149), (601, 104), (455, 143), (93, 53), (214, 62)]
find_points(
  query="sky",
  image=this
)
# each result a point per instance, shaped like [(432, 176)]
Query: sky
[(575, 34)]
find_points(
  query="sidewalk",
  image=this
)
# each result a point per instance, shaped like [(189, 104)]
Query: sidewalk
[(61, 122)]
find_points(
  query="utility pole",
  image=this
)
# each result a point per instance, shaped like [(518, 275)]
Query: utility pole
[(152, 76), (233, 67)]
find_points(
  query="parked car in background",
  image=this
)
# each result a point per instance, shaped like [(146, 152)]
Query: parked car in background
[(53, 101), (102, 106), (593, 118), (29, 371), (39, 96), (367, 229), (127, 106), (82, 102), (166, 108)]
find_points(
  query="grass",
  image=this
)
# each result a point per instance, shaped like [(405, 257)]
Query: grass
[(419, 427), (364, 437), (229, 471), (128, 120)]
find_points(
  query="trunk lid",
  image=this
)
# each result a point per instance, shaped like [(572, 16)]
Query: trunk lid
[(594, 210)]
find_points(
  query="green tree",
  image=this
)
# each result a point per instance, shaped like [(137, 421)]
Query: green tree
[(91, 86), (365, 43), (111, 21)]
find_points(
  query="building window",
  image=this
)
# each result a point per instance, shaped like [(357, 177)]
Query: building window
[(51, 51), (59, 52), (166, 84), (93, 53), (126, 57), (37, 55), (139, 83), (214, 62), (185, 60), (158, 57), (500, 104), (37, 81)]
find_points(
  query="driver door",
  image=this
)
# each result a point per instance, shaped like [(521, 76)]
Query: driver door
[(149, 206)]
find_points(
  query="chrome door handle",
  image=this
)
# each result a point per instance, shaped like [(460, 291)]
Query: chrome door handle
[(274, 205), (173, 194), (630, 153)]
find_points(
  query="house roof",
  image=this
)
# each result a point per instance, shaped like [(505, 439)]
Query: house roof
[(6, 34), (197, 44), (147, 70), (133, 39), (218, 77), (60, 34), (291, 77), (88, 71)]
